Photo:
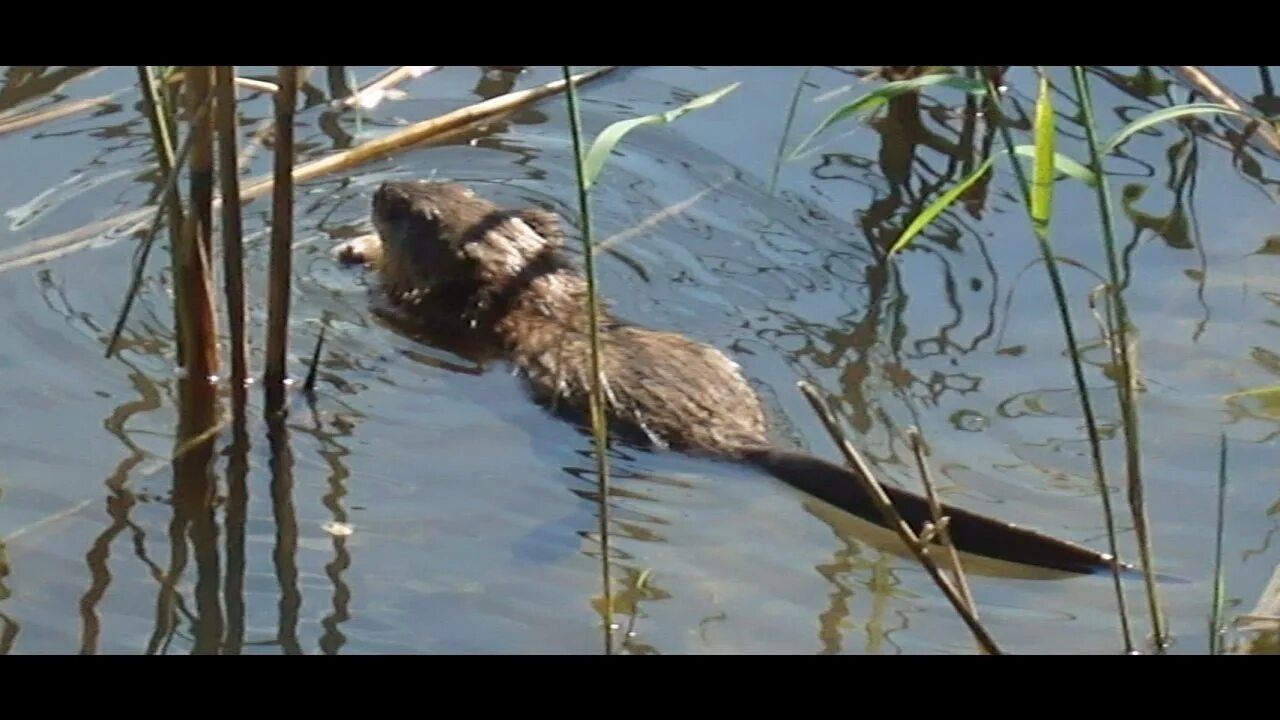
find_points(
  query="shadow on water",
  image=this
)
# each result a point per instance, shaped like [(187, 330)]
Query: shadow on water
[(118, 504), (285, 553)]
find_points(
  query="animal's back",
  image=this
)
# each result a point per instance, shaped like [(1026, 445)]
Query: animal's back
[(679, 393)]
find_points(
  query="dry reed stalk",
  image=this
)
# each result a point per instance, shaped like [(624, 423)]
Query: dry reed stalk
[(1201, 80), (55, 246), (281, 263), (926, 477), (196, 316), (37, 117), (232, 233), (372, 93)]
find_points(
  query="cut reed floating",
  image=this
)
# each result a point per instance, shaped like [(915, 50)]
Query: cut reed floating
[(55, 246), (38, 117), (265, 129), (38, 83), (371, 94)]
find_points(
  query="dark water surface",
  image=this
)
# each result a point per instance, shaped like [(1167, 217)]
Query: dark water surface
[(471, 514)]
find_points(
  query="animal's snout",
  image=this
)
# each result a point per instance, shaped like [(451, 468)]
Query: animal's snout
[(386, 194)]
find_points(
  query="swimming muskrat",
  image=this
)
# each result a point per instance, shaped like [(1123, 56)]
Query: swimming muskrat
[(445, 252)]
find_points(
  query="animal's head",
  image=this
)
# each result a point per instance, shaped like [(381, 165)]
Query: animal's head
[(443, 237)]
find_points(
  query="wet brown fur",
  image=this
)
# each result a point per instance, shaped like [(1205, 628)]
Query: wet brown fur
[(452, 257), (503, 273)]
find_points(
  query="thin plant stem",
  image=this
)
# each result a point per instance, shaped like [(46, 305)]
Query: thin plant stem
[(165, 210), (962, 582), (1077, 370), (786, 128), (1122, 353), (593, 329), (163, 131), (281, 263), (310, 384), (918, 547), (1219, 578)]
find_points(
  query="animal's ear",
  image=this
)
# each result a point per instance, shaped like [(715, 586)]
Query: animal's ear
[(546, 224)]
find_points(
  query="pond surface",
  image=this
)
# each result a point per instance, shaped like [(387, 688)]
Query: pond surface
[(471, 514)]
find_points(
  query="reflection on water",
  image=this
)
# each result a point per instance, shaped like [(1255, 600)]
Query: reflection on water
[(419, 503)]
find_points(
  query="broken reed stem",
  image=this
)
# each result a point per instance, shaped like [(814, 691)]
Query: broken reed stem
[(281, 264), (427, 129), (593, 330), (232, 232), (1205, 84), (894, 520), (310, 385), (373, 92), (944, 531)]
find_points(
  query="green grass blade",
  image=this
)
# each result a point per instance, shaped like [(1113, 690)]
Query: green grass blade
[(1042, 177), (609, 137), (1162, 115), (1077, 371), (884, 94), (935, 208), (1063, 164), (1122, 351), (1056, 162), (596, 397)]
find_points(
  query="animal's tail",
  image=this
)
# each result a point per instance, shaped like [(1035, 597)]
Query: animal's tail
[(971, 532)]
